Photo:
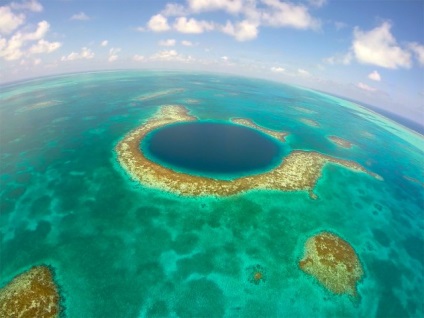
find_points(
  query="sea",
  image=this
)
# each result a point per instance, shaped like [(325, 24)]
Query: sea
[(121, 249)]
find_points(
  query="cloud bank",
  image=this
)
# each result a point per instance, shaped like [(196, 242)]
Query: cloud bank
[(245, 17)]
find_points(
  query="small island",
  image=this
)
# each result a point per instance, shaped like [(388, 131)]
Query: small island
[(310, 122), (31, 294), (333, 262), (280, 135), (340, 142), (300, 170)]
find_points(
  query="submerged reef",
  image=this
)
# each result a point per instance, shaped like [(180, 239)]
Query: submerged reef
[(310, 122), (39, 105), (367, 134), (333, 262), (304, 110), (414, 180), (31, 294), (158, 94), (340, 142), (256, 274), (300, 170), (280, 135)]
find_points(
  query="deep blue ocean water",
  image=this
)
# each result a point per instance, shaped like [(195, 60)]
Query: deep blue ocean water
[(417, 126), (211, 149), (120, 249)]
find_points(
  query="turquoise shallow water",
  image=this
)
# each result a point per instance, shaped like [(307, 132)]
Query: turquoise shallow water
[(122, 250)]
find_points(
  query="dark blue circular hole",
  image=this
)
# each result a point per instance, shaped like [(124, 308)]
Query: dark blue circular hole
[(213, 148)]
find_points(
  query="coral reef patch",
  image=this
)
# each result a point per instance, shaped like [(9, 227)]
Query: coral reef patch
[(256, 274), (158, 94), (300, 170), (280, 135), (31, 294), (340, 142), (333, 262), (39, 105), (310, 122)]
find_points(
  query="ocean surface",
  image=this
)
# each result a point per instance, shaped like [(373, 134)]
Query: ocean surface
[(120, 249), (417, 126)]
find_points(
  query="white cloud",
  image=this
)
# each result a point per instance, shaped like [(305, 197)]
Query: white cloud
[(225, 58), (26, 62), (9, 21), (170, 55), (138, 58), (303, 72), (104, 43), (375, 76), (231, 6), (186, 43), (418, 49), (317, 3), (251, 14), (113, 54), (365, 87), (184, 25), (16, 47), (277, 69), (80, 17), (344, 59), (158, 23), (85, 53), (286, 14), (242, 31), (169, 42), (379, 47), (174, 9), (42, 28), (340, 25), (165, 55), (31, 5), (3, 43), (44, 46)]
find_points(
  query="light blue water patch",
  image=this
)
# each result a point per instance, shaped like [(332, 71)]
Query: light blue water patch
[(121, 249)]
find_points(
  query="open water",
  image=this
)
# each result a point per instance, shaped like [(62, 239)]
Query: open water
[(120, 249)]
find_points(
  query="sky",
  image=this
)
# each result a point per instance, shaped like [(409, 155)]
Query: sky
[(370, 51)]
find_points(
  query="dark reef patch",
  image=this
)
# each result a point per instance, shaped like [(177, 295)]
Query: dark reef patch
[(185, 243), (381, 237), (201, 298), (414, 246), (158, 309)]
